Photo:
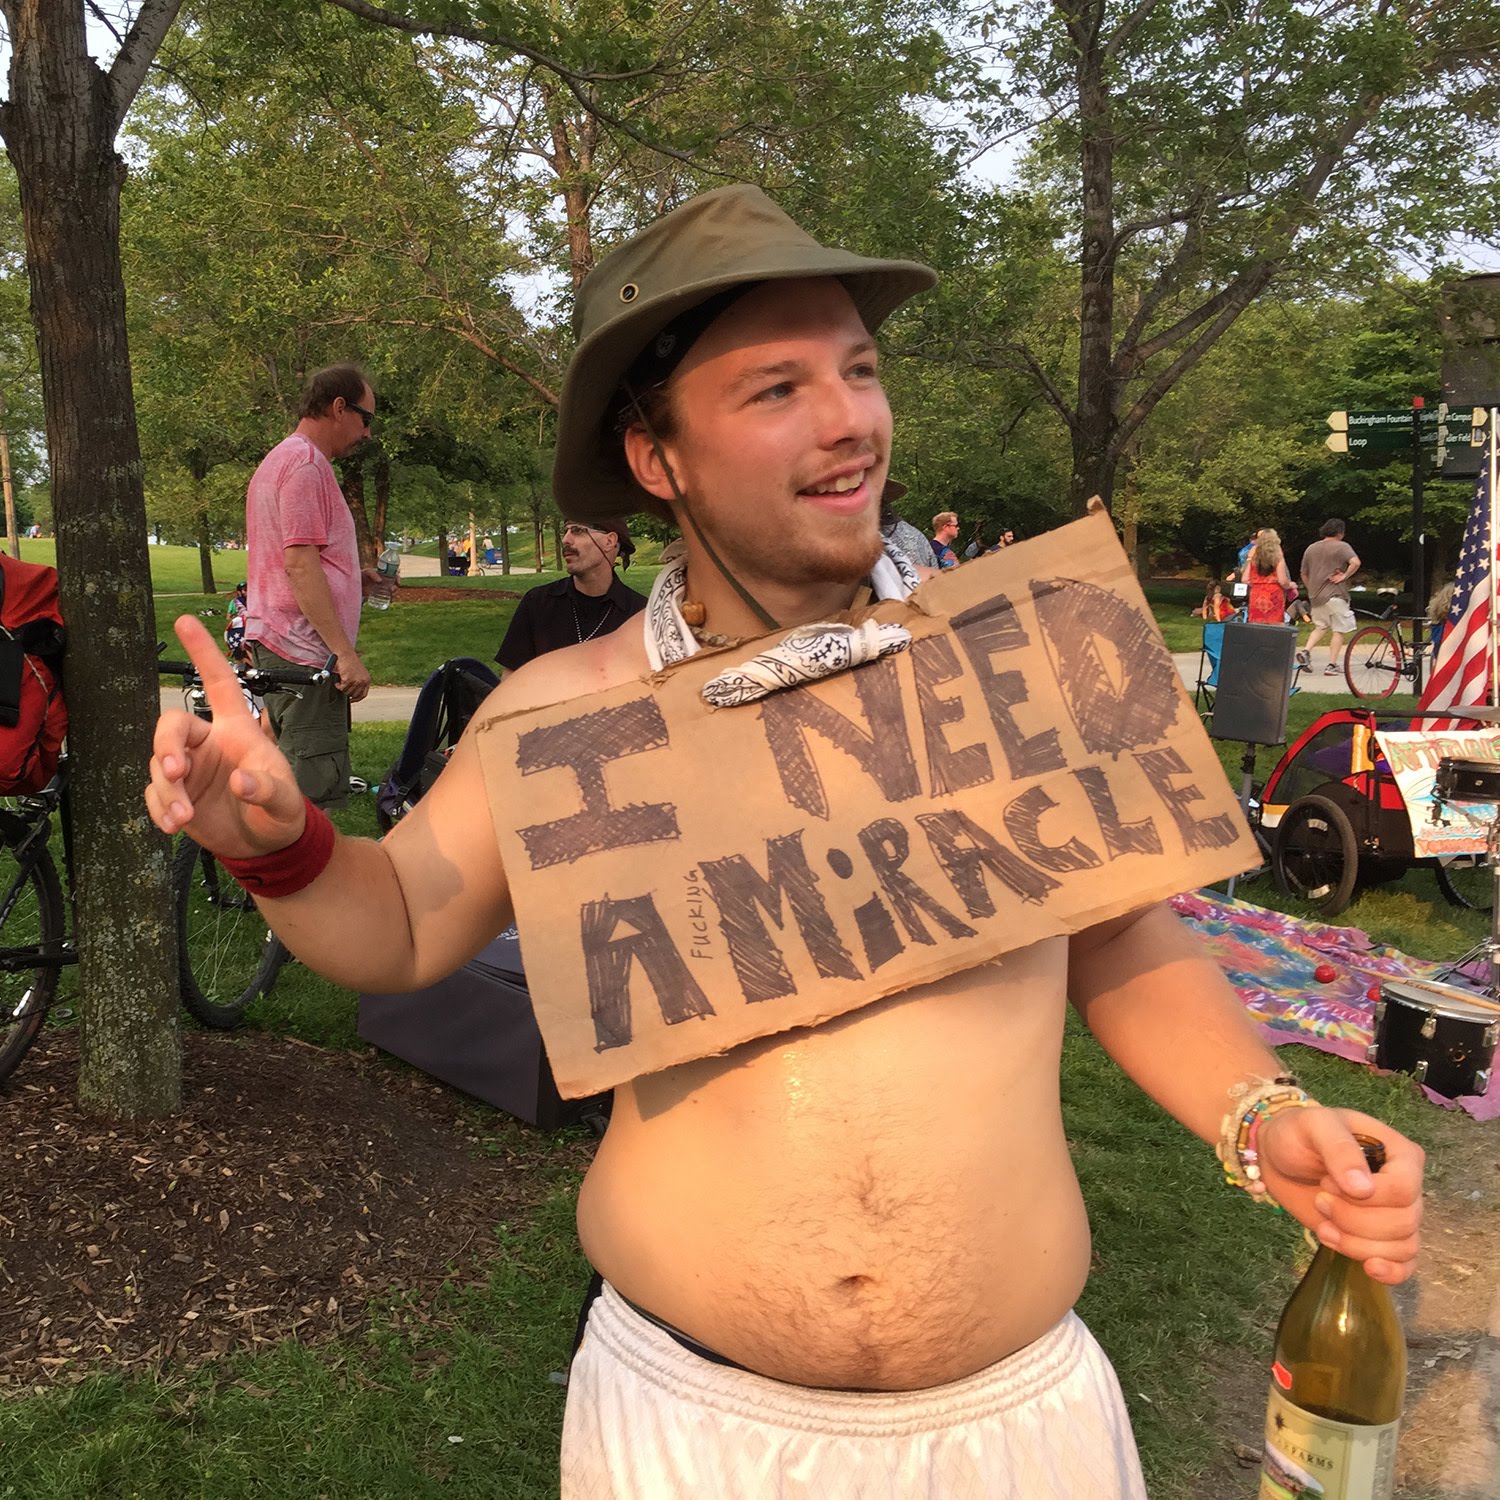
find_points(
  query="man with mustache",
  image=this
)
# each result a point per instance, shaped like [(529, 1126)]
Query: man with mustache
[(590, 602), (840, 1260)]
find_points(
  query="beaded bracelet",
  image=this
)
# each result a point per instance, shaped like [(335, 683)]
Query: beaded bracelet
[(286, 871), (1239, 1135)]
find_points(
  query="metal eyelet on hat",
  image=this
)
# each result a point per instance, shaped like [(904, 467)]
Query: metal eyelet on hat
[(629, 292)]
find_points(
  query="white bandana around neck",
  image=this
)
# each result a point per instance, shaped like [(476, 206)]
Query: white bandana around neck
[(809, 653)]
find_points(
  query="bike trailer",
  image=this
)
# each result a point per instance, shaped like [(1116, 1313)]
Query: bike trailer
[(475, 1030), (33, 718)]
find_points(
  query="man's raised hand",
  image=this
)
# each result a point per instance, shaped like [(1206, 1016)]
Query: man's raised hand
[(224, 783)]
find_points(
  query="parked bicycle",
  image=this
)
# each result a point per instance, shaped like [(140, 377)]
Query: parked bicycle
[(227, 954), (1378, 657)]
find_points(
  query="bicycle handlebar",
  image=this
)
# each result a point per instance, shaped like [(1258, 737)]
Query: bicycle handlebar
[(257, 679)]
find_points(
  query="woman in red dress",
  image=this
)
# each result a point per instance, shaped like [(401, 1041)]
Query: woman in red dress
[(1270, 583)]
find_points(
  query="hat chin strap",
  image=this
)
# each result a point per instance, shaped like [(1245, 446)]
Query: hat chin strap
[(748, 599)]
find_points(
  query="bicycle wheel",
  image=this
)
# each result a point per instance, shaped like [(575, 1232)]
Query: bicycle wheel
[(226, 954), (1467, 880), (31, 914), (1315, 857), (1373, 663)]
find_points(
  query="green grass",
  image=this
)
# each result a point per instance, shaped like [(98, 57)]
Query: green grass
[(402, 645), (1184, 1266)]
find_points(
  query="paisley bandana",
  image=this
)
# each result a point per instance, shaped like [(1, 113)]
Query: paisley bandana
[(807, 654)]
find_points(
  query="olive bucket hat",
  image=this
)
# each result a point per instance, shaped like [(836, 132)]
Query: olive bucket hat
[(733, 236)]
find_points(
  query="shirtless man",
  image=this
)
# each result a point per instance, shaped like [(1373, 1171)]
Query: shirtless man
[(845, 1255)]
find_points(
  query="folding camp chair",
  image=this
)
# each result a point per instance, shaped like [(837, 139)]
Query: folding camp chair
[(1208, 667)]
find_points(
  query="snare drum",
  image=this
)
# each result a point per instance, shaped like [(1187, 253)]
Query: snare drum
[(1467, 781), (1443, 1036)]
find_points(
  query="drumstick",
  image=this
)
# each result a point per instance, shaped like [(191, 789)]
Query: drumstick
[(1431, 986)]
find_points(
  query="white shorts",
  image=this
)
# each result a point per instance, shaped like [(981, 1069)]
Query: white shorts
[(1335, 615), (648, 1420)]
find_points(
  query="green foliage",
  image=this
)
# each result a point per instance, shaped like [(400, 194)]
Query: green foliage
[(20, 381), (1210, 154)]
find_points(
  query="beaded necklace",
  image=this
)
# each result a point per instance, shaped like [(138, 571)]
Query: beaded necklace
[(578, 625)]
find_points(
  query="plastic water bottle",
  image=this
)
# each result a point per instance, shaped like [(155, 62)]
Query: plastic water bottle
[(388, 565)]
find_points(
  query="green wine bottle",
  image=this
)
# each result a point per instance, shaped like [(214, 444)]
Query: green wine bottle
[(1337, 1383)]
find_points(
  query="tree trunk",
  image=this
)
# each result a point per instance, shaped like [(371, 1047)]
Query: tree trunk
[(382, 497), (573, 169), (1096, 411), (442, 551), (205, 550), (354, 493), (197, 467), (59, 126)]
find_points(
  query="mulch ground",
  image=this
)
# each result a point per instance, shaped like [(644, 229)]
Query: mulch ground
[(295, 1187)]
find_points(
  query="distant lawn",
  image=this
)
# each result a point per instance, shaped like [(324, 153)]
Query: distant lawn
[(403, 645)]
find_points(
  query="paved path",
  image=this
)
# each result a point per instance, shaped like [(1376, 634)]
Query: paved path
[(1314, 681), (413, 566), (388, 705), (385, 705)]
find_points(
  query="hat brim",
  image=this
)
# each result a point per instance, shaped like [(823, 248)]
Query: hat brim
[(587, 480)]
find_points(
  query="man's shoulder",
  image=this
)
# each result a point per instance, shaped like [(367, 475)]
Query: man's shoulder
[(292, 456), (632, 601), (577, 671), (556, 588)]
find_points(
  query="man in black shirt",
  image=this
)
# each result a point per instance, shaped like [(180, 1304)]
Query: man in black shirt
[(591, 601)]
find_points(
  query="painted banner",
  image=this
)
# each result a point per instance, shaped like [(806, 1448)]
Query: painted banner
[(1454, 827), (688, 878)]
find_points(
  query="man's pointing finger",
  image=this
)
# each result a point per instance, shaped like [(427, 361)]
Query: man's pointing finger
[(226, 699)]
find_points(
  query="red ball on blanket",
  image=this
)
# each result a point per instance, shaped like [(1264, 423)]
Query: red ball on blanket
[(1373, 993), (1325, 973)]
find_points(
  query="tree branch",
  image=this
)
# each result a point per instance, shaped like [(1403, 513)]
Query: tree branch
[(468, 334), (1232, 302), (382, 17), (133, 60), (1127, 29), (105, 22), (1260, 270)]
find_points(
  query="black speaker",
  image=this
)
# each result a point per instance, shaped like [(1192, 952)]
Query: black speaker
[(1255, 683), (475, 1030)]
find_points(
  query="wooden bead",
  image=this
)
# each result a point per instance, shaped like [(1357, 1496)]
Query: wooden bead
[(693, 612)]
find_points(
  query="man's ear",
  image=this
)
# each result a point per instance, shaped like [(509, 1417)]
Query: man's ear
[(646, 464)]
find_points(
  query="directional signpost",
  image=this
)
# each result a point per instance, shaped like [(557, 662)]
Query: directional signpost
[(1376, 435), (1389, 430)]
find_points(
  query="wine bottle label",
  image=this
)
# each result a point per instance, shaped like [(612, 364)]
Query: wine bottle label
[(1307, 1455)]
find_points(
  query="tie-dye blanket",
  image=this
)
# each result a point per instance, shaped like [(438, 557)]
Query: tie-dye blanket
[(1270, 959)]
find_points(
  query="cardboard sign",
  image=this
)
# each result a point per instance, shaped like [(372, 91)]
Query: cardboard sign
[(1455, 827), (688, 878)]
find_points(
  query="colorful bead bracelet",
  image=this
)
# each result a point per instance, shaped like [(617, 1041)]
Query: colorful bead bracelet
[(1239, 1135)]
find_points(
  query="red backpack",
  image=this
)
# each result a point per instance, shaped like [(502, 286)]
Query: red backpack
[(33, 718)]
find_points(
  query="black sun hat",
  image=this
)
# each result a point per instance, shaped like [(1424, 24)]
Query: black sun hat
[(733, 236)]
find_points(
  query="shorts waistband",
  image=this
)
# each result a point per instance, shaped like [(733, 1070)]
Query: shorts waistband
[(651, 1354)]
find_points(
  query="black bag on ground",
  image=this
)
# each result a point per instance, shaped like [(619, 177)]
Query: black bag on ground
[(475, 1029), (444, 706)]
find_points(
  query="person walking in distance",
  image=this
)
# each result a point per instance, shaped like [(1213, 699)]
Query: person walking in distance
[(944, 529), (1269, 582), (590, 602), (306, 583), (1327, 566), (839, 1260)]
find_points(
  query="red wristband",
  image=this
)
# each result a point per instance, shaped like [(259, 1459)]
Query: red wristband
[(289, 870)]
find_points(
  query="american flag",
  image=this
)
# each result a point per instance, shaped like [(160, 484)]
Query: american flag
[(1461, 668)]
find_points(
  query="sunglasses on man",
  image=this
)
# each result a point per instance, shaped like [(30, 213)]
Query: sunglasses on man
[(365, 416)]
